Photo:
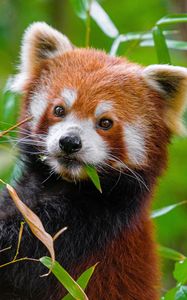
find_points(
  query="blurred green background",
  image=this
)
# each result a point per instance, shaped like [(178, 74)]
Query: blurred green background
[(128, 16)]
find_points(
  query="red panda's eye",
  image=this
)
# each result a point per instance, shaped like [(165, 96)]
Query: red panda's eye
[(105, 124), (59, 111)]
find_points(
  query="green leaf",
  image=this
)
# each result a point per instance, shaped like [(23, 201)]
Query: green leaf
[(9, 109), (85, 277), (171, 44), (66, 280), (172, 19), (98, 14), (144, 39), (177, 293), (179, 45), (165, 210), (180, 272), (170, 295), (103, 20), (125, 38), (81, 7), (92, 173), (170, 253), (161, 46), (83, 281), (181, 293)]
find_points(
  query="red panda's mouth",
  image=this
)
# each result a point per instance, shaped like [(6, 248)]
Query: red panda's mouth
[(70, 168), (69, 162)]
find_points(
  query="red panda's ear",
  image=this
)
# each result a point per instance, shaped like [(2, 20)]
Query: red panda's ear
[(171, 83), (40, 42)]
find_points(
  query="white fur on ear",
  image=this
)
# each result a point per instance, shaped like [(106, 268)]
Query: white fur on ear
[(165, 79), (171, 83), (40, 42), (17, 83)]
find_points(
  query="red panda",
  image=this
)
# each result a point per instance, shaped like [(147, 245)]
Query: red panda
[(89, 108)]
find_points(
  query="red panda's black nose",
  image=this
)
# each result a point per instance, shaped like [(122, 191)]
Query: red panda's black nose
[(70, 144)]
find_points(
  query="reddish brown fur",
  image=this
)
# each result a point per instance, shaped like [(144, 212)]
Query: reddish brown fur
[(129, 269), (128, 266)]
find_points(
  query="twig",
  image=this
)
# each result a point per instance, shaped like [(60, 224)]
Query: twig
[(5, 249), (19, 240), (2, 181), (59, 233), (17, 260), (15, 126)]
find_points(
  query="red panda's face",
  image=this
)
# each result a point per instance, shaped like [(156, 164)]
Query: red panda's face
[(88, 106), (93, 109)]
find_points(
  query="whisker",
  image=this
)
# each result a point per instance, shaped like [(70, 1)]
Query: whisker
[(34, 153), (51, 174), (138, 177)]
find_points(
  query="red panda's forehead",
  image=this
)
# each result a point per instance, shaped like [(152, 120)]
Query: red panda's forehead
[(95, 77)]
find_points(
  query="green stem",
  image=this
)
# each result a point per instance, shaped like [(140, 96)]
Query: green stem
[(17, 260)]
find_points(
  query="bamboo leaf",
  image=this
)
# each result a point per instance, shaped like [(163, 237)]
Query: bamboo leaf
[(83, 280), (170, 295), (97, 13), (145, 39), (180, 272), (171, 44), (170, 253), (172, 19), (181, 293), (124, 38), (33, 221), (81, 7), (165, 210), (92, 173), (179, 45), (64, 278), (8, 108), (103, 20), (161, 46)]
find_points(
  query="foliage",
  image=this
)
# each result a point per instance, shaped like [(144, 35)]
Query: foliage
[(159, 38), (92, 173), (75, 289)]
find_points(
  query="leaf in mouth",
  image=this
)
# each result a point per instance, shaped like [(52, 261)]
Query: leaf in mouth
[(92, 173)]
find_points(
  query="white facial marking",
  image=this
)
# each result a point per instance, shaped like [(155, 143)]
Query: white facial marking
[(135, 143), (69, 96), (94, 149), (103, 107), (38, 105)]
